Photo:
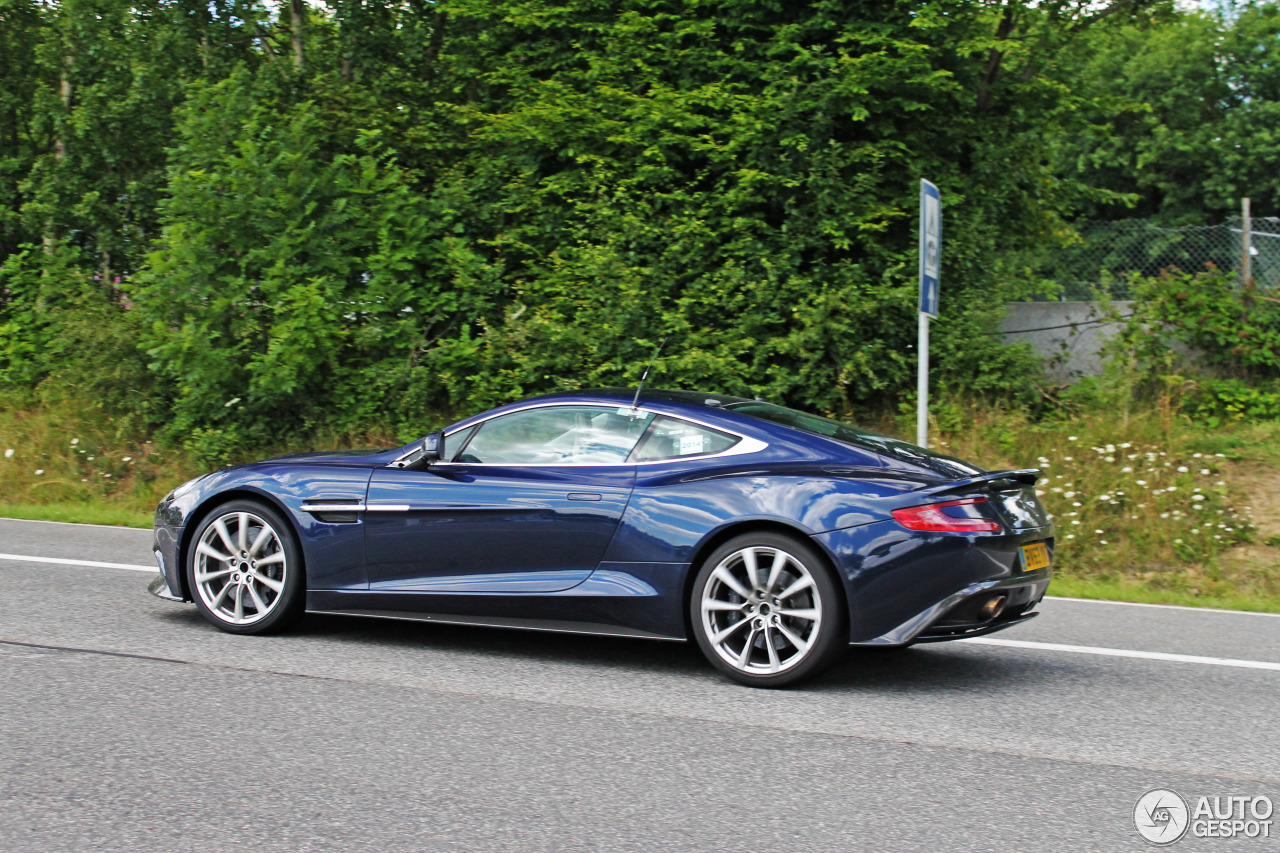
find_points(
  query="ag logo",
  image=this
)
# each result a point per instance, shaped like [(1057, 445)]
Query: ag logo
[(1161, 816)]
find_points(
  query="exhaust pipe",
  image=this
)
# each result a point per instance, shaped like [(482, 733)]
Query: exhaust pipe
[(992, 607)]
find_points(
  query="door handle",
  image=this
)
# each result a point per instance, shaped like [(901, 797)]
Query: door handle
[(584, 496)]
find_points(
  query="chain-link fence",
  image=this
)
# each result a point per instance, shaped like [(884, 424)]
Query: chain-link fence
[(1109, 252)]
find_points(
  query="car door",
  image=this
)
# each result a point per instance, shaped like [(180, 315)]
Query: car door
[(527, 502)]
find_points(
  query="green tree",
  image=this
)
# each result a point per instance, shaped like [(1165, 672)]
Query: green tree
[(1181, 108)]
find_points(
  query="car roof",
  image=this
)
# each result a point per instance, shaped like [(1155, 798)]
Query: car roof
[(704, 399)]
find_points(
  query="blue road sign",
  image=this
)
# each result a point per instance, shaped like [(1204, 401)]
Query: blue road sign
[(930, 247)]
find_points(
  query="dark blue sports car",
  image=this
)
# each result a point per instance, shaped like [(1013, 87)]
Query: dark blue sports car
[(772, 537)]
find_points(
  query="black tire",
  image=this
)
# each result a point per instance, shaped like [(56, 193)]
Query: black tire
[(222, 588), (822, 632)]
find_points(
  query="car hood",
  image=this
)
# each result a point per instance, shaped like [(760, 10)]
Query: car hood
[(361, 458)]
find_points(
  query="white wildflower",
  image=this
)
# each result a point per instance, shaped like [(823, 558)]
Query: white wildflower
[(39, 471)]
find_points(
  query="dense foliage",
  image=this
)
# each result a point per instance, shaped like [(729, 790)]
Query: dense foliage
[(1182, 108), (240, 222), (1203, 343)]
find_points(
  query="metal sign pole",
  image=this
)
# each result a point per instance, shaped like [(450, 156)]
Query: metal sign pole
[(922, 384), (930, 273)]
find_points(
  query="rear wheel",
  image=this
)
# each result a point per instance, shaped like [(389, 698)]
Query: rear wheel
[(766, 610), (244, 569)]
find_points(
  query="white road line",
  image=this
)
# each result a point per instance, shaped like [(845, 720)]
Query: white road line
[(1124, 653), (76, 524), (61, 561), (1162, 606)]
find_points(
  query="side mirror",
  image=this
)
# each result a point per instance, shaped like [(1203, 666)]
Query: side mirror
[(432, 448)]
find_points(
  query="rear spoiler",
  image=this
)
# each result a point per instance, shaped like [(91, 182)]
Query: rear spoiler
[(992, 481)]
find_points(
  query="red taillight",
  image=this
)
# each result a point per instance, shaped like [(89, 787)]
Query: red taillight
[(932, 518)]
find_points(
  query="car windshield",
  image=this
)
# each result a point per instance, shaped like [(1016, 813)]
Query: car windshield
[(860, 438)]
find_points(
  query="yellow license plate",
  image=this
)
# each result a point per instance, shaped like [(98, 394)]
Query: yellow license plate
[(1034, 556)]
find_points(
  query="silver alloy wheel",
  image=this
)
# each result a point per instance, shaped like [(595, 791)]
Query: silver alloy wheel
[(761, 610), (240, 568)]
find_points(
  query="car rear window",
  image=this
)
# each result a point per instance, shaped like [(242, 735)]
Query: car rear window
[(861, 438), (671, 438)]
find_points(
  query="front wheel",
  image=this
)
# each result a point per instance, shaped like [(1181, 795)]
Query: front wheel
[(244, 569), (766, 611)]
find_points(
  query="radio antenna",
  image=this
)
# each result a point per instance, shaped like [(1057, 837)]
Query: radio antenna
[(636, 401)]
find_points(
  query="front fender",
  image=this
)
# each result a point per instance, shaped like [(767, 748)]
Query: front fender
[(333, 553)]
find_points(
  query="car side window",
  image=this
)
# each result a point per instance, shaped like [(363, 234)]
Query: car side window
[(671, 438), (557, 435), (457, 442)]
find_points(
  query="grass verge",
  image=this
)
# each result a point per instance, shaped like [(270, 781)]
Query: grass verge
[(1132, 591), (79, 513)]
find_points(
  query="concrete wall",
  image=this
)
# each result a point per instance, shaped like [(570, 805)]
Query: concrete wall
[(1068, 334)]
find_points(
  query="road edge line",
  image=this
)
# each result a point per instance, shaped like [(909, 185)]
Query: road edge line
[(1124, 653), (1163, 606), (63, 561)]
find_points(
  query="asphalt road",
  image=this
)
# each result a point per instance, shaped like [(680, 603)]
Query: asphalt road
[(128, 723)]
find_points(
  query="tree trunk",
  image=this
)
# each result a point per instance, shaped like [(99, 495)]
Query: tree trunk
[(297, 14)]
